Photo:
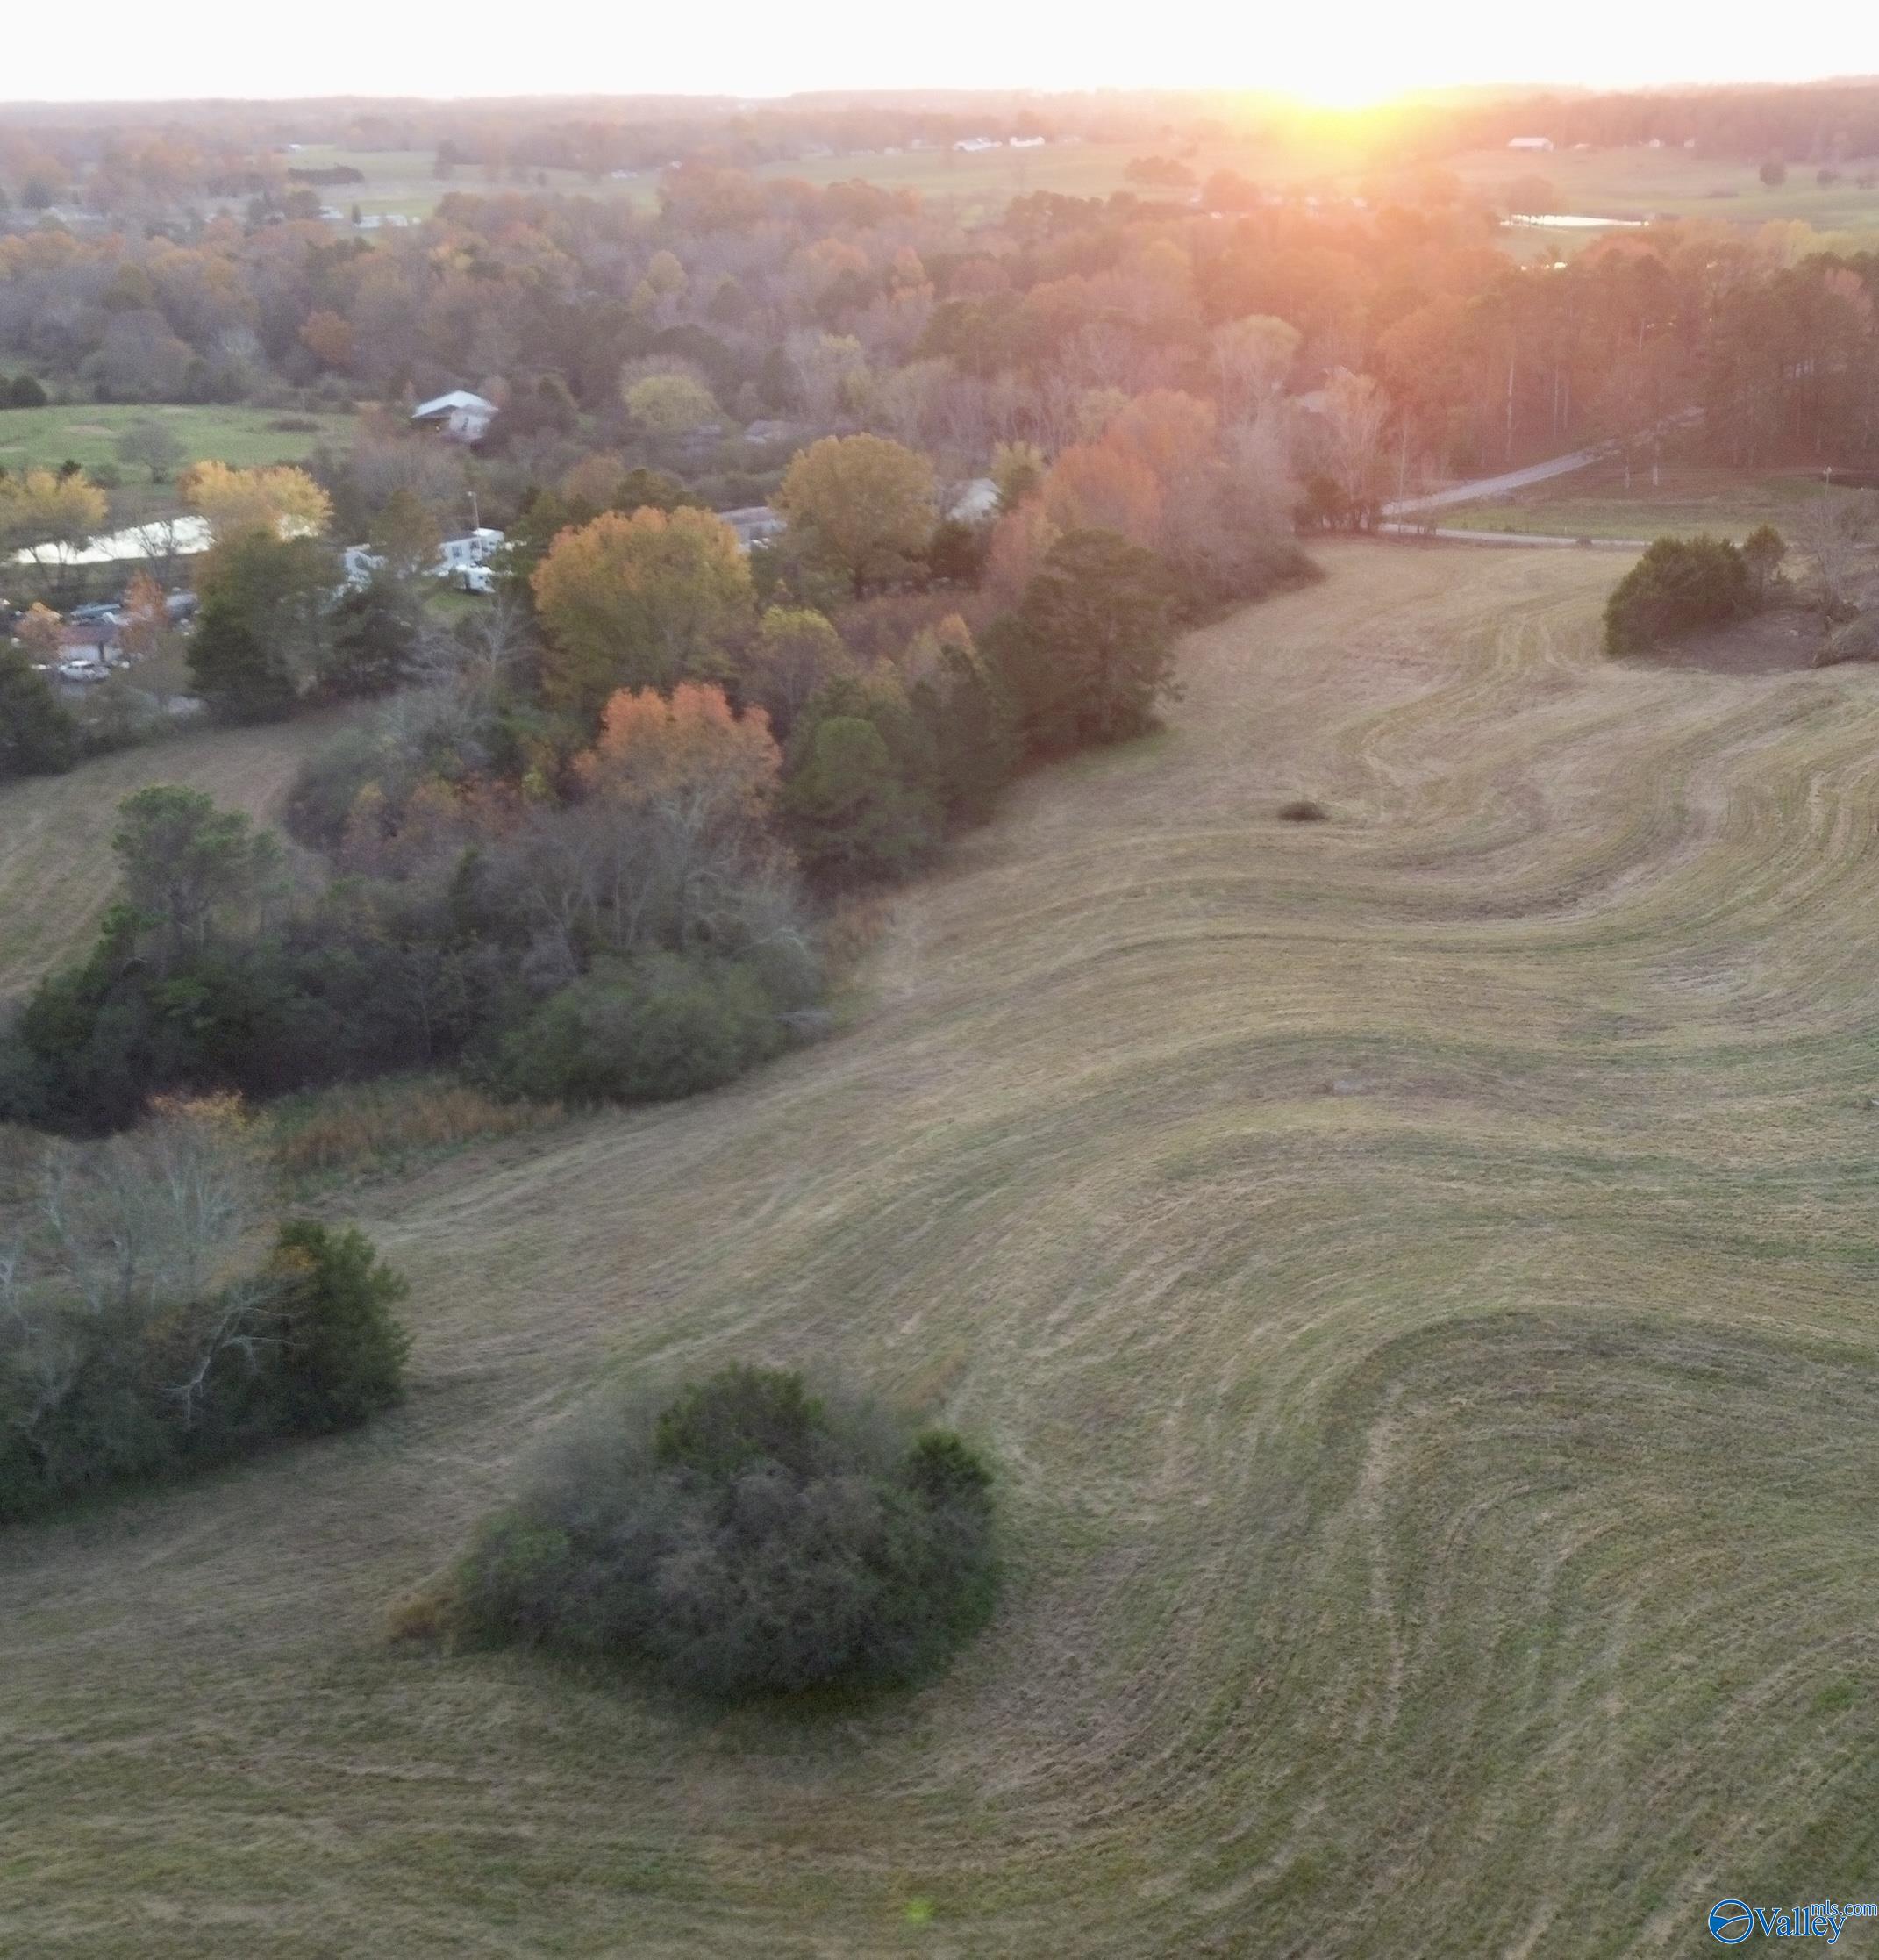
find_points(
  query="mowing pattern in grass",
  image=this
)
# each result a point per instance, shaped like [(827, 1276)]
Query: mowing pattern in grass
[(57, 871), (1417, 1274)]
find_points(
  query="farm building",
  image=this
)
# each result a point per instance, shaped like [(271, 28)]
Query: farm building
[(460, 415), (1530, 143)]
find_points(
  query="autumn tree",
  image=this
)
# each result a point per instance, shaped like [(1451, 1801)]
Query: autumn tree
[(45, 515), (41, 634), (1098, 486), (1017, 470), (862, 504), (796, 652), (328, 337), (670, 405), (637, 600), (278, 499), (1252, 356)]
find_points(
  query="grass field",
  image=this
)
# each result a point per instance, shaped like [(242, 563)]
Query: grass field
[(976, 183), (1595, 502), (56, 867), (1673, 183), (87, 433), (1418, 1273)]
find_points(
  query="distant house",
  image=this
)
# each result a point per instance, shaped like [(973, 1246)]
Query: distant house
[(755, 524), (91, 644), (976, 143), (977, 502), (1027, 143), (461, 416), (1530, 143)]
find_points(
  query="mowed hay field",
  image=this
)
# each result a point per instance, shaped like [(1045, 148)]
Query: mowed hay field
[(57, 870), (1418, 1273)]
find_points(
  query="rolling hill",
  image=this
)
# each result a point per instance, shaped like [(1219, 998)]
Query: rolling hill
[(1417, 1272)]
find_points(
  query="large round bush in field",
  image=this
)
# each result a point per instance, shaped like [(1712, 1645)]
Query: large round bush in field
[(747, 1537)]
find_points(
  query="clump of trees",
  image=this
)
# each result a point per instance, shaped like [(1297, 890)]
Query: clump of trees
[(1678, 586), (135, 1344), (749, 1537)]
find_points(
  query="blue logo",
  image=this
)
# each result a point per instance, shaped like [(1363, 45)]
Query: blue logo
[(1730, 1921)]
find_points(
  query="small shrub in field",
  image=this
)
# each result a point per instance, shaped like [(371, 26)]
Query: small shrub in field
[(749, 1537), (651, 1029), (1303, 810), (1679, 585), (343, 1349)]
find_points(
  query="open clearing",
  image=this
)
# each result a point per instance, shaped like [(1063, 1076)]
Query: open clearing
[(56, 868), (87, 434), (1419, 1275)]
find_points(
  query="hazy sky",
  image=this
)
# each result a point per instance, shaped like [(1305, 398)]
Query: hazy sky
[(120, 49)]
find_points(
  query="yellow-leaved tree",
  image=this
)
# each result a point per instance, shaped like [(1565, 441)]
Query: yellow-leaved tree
[(637, 601), (45, 515), (278, 499), (860, 504)]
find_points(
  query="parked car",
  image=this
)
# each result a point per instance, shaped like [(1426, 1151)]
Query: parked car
[(83, 671)]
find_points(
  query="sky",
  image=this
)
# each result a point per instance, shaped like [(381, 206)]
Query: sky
[(1355, 53)]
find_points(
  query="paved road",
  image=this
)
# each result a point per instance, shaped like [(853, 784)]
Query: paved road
[(1456, 535), (1495, 486), (1521, 479)]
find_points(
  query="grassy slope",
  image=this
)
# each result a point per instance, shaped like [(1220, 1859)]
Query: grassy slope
[(56, 869), (1440, 1508)]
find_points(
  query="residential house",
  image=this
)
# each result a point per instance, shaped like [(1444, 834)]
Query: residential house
[(459, 415)]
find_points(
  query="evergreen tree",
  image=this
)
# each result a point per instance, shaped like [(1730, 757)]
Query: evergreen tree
[(38, 735), (239, 677)]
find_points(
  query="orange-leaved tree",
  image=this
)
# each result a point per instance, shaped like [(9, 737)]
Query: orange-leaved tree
[(693, 747), (1097, 486)]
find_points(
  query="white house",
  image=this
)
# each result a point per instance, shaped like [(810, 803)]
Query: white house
[(1027, 143), (977, 502), (461, 416), (1530, 143)]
